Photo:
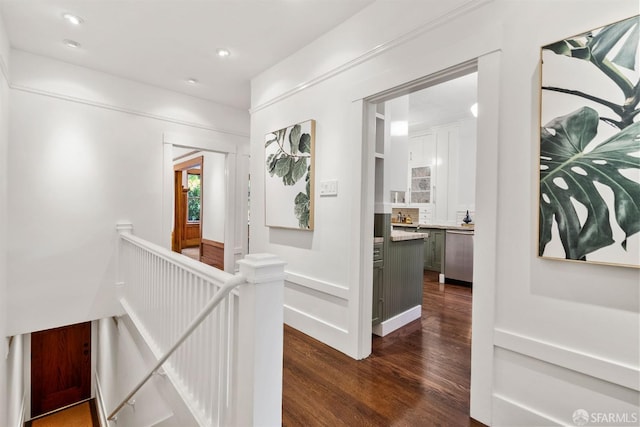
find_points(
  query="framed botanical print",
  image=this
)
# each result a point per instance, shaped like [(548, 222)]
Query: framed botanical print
[(589, 201), (289, 182)]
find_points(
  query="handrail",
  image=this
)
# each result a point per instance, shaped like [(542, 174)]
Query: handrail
[(227, 287), (204, 270)]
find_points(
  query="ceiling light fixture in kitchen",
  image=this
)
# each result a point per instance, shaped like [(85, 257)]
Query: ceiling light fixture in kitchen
[(399, 128), (192, 81), (222, 53)]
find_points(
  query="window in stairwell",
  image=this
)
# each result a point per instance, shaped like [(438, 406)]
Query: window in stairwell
[(193, 196)]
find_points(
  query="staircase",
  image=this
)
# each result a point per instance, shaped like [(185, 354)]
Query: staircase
[(195, 346)]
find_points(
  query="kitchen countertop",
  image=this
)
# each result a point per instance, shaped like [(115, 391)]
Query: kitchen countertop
[(398, 235), (438, 226)]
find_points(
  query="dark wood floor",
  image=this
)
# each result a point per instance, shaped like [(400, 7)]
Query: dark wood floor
[(416, 376)]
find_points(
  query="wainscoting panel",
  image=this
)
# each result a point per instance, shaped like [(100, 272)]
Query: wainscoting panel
[(212, 253), (529, 390), (608, 370), (191, 235)]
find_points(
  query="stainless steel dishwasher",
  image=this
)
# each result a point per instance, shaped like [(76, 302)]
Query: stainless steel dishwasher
[(458, 256)]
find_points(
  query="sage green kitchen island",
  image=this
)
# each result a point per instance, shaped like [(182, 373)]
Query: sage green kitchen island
[(398, 287)]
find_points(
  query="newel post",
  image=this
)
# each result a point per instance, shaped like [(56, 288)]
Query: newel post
[(121, 228), (260, 330)]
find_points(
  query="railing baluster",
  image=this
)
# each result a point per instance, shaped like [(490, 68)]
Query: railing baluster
[(187, 310)]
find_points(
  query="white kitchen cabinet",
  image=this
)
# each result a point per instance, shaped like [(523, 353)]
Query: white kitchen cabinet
[(433, 171)]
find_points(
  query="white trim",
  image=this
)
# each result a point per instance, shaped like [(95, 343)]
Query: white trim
[(397, 321), (609, 370), (4, 69), (102, 414), (485, 261), (21, 419), (317, 285), (207, 144), (518, 414), (123, 110), (290, 313), (467, 7)]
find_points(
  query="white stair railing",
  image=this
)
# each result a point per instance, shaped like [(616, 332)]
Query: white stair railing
[(207, 330)]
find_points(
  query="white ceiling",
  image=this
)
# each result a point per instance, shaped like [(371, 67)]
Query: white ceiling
[(444, 103), (166, 42)]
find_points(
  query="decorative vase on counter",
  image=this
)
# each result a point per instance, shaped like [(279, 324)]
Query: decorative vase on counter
[(467, 219)]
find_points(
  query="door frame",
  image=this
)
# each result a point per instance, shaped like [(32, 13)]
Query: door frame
[(26, 363), (236, 151), (485, 242)]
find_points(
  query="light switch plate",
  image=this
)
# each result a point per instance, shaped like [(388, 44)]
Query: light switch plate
[(329, 188)]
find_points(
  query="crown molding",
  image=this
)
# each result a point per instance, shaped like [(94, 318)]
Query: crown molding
[(125, 110), (461, 10)]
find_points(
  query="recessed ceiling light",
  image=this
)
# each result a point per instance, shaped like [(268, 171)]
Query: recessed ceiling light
[(73, 19), (222, 53), (192, 81), (71, 43)]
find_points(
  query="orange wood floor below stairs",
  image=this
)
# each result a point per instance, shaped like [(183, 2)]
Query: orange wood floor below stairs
[(83, 414)]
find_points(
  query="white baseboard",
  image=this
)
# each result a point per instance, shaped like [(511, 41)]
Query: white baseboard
[(397, 321)]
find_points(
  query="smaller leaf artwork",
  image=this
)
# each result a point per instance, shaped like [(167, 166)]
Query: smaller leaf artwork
[(289, 176), (590, 147)]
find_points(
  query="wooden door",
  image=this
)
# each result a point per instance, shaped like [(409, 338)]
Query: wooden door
[(60, 367), (178, 218)]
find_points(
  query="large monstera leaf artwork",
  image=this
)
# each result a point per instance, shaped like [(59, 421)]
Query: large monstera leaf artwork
[(590, 146), (289, 176)]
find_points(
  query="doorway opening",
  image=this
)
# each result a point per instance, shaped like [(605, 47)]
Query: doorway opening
[(223, 194), (421, 148), (186, 236), (60, 370), (425, 172), (199, 212)]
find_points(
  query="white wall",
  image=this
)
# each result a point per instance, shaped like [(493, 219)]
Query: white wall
[(86, 152), (4, 176), (586, 313), (214, 197), (467, 144), (326, 267), (566, 334), (123, 359), (396, 152)]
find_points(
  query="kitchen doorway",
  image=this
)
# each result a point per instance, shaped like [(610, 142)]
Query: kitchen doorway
[(485, 262), (425, 171), (489, 69)]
